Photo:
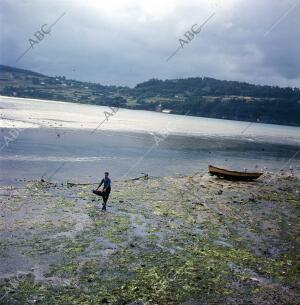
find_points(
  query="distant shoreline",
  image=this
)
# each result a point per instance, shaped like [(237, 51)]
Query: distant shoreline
[(151, 111), (198, 96)]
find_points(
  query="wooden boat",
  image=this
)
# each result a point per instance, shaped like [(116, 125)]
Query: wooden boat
[(232, 175)]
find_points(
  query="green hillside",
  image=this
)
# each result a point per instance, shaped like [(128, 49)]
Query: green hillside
[(198, 96)]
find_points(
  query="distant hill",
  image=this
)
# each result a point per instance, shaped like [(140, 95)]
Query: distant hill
[(207, 97)]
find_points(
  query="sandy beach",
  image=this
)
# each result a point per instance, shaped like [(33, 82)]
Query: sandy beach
[(172, 240)]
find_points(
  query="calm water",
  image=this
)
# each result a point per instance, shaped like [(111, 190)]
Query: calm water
[(57, 142)]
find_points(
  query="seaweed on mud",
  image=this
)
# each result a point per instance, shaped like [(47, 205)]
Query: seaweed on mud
[(154, 245)]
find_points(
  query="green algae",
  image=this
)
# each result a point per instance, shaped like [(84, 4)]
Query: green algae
[(117, 231), (62, 202), (159, 277), (152, 247)]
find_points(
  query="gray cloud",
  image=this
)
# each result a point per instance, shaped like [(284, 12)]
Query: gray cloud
[(126, 42)]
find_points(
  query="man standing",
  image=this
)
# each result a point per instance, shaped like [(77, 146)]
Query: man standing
[(105, 191)]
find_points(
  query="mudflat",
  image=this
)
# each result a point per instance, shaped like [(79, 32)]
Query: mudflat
[(172, 240)]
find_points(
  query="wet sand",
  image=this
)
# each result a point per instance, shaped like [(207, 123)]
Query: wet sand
[(172, 240)]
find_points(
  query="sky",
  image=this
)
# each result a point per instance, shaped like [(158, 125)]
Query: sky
[(115, 42)]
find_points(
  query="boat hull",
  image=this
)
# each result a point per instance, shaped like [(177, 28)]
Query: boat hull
[(232, 175)]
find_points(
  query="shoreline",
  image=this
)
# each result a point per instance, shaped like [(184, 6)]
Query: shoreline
[(166, 240), (152, 111), (172, 116)]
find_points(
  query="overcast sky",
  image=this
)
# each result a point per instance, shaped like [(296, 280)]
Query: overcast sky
[(127, 42)]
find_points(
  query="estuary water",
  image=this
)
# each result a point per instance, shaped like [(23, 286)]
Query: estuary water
[(62, 141)]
